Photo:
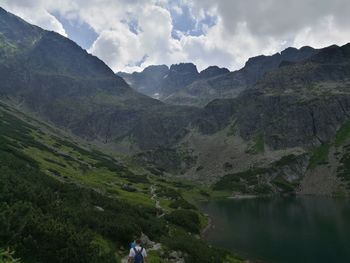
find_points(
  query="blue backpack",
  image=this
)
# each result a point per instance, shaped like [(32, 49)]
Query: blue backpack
[(138, 255)]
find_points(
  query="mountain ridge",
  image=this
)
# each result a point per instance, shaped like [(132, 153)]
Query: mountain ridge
[(223, 84)]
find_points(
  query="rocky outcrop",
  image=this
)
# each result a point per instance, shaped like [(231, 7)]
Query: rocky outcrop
[(231, 84), (212, 71), (148, 81), (179, 76)]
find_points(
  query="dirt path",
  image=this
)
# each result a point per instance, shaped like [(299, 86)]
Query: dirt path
[(154, 197), (155, 246)]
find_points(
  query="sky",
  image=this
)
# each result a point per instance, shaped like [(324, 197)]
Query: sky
[(129, 35)]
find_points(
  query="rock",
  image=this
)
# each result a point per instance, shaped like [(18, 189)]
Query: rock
[(146, 242), (98, 208), (128, 188), (213, 71), (176, 257), (148, 81)]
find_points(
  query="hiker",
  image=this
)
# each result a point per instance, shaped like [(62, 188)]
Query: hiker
[(132, 244), (137, 254)]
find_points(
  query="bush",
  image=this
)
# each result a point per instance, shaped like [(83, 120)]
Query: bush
[(6, 256), (189, 220), (182, 203), (197, 250)]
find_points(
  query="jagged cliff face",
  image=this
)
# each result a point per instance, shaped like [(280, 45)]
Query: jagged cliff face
[(184, 86), (297, 105), (165, 83), (148, 81)]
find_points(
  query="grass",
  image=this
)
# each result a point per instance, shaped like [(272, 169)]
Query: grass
[(319, 156), (258, 144), (343, 134)]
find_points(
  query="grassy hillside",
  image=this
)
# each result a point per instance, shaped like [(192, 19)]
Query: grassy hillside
[(61, 202)]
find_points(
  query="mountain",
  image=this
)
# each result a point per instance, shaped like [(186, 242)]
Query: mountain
[(161, 82), (289, 132), (148, 81), (214, 82), (301, 108), (212, 71), (51, 76), (282, 117)]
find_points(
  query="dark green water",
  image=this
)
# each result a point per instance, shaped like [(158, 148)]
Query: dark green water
[(293, 229)]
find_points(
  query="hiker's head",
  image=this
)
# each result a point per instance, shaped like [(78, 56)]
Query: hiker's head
[(138, 241)]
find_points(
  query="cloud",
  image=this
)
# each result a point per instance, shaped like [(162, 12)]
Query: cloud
[(132, 34), (34, 13)]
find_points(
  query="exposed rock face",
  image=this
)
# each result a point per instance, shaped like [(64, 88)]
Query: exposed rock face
[(212, 71), (162, 83), (167, 159), (148, 81), (180, 75), (215, 82)]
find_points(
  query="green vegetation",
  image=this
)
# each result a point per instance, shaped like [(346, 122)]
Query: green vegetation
[(255, 181), (196, 249), (45, 220), (189, 220), (182, 203), (283, 184), (60, 202), (343, 171), (240, 182), (319, 156), (258, 144), (343, 134)]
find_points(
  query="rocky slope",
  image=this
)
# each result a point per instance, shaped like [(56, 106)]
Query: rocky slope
[(300, 108)]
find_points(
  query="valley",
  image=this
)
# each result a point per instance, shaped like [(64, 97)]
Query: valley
[(91, 160)]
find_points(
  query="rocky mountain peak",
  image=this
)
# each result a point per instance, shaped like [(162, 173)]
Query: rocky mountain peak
[(183, 68), (212, 71), (156, 69)]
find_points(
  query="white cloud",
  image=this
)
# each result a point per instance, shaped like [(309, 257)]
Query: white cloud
[(243, 28), (34, 13)]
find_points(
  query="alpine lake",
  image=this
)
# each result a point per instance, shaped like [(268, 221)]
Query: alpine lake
[(282, 229)]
